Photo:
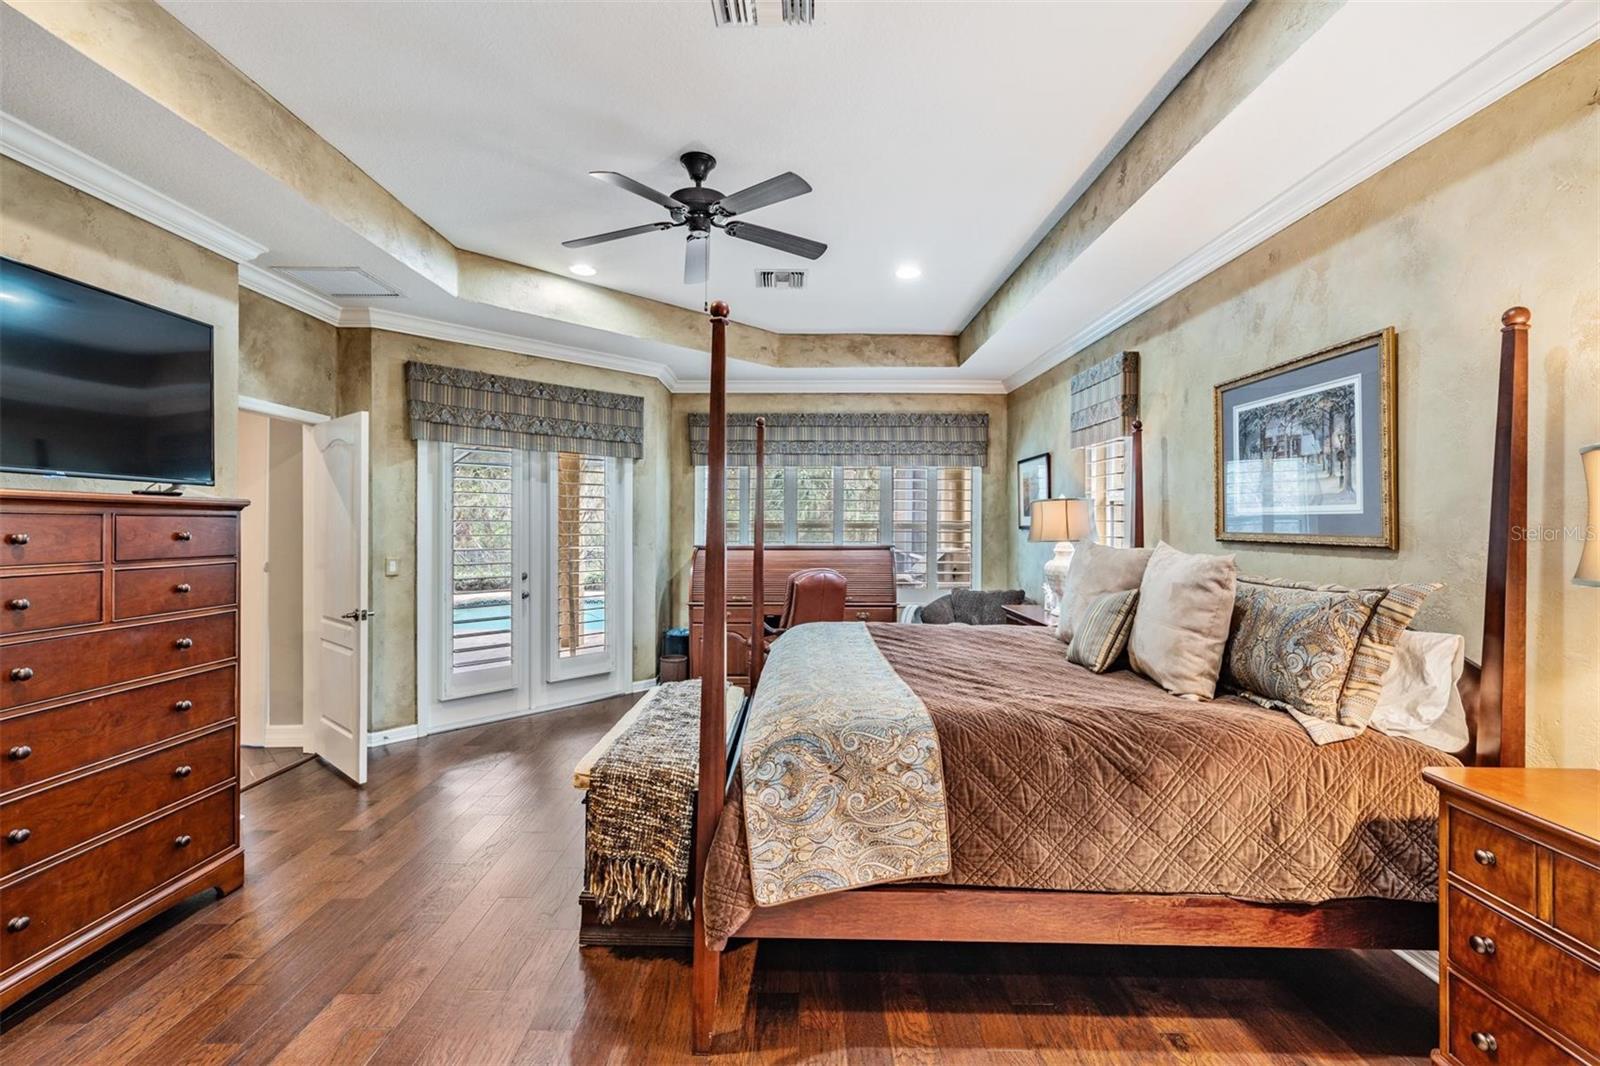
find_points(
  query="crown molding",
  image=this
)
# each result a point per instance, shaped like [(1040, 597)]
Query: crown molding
[(1521, 58), (275, 286), (801, 384), (433, 329), (37, 149)]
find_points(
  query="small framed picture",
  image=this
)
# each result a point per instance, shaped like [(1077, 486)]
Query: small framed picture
[(1305, 450), (1033, 483)]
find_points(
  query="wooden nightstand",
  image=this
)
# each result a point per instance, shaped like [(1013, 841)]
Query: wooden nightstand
[(1519, 915), (1026, 614)]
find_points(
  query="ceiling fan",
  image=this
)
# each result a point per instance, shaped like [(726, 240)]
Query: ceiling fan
[(703, 210)]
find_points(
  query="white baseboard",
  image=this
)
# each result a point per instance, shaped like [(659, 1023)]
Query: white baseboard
[(641, 686), (1426, 961), (393, 736), (284, 736)]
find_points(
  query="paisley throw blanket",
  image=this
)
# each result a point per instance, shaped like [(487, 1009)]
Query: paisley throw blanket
[(843, 782)]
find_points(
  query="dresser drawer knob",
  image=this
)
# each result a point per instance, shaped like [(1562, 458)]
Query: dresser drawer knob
[(22, 673), (1483, 945), (1484, 857), (183, 771), (20, 604), (183, 841), (183, 644), (181, 589), (18, 836), (183, 534), (20, 752), (1485, 1042), (18, 924), (16, 538), (183, 705)]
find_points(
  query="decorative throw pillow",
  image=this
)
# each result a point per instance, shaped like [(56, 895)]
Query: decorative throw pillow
[(1375, 651), (1095, 571), (938, 613), (1103, 632), (983, 608), (1291, 648), (1181, 627)]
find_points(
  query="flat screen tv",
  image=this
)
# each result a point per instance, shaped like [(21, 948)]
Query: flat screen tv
[(96, 385)]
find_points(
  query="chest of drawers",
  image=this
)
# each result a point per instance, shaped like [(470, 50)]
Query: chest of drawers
[(119, 753), (1519, 916)]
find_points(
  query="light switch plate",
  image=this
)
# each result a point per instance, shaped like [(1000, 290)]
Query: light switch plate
[(391, 568)]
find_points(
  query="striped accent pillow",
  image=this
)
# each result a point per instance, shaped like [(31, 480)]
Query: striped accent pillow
[(1373, 654), (1102, 632)]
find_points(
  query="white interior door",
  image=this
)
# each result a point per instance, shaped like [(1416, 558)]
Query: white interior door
[(337, 592)]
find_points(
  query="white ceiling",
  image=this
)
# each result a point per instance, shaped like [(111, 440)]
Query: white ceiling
[(945, 134)]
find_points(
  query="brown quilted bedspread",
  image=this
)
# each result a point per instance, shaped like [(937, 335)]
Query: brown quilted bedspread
[(1058, 778)]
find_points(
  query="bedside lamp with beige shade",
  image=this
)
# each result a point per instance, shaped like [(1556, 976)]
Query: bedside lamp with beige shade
[(1063, 521), (1588, 572)]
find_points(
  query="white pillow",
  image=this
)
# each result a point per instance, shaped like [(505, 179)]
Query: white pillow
[(1420, 698), (1095, 571), (1181, 626)]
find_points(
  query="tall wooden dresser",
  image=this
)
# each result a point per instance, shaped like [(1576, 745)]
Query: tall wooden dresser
[(119, 749), (1519, 916)]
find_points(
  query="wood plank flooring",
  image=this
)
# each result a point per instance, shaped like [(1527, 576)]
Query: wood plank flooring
[(432, 917), (258, 764)]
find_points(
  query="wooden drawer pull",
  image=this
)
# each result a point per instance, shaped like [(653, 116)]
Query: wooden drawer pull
[(1484, 857), (22, 673), (183, 841), (20, 752), (18, 836), (183, 705), (16, 538), (1485, 1042), (183, 534), (19, 604), (183, 644), (18, 924), (181, 588), (1483, 945), (183, 771)]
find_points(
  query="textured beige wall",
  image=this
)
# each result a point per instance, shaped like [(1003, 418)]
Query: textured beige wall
[(1499, 211), (55, 227), (286, 576), (372, 378), (995, 549), (285, 356)]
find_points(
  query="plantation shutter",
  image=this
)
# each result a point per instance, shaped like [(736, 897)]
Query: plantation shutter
[(581, 549)]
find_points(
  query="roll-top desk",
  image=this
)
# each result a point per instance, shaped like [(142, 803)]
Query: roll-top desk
[(119, 743)]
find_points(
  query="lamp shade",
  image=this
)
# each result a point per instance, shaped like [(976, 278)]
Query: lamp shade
[(1058, 520), (1589, 562)]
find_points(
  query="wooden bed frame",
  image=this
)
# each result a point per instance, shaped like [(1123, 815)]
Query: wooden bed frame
[(1493, 694)]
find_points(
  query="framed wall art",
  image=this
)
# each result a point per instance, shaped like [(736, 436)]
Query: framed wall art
[(1306, 450), (1033, 483)]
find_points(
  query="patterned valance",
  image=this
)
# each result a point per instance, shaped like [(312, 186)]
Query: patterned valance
[(1105, 400), (470, 407), (832, 439)]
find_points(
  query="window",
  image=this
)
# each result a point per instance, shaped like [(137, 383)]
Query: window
[(482, 483), (580, 554), (1106, 472), (928, 514)]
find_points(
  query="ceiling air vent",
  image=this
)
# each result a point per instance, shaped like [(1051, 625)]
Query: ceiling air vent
[(338, 282), (780, 279)]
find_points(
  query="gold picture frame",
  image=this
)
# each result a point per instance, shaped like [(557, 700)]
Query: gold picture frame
[(1347, 522)]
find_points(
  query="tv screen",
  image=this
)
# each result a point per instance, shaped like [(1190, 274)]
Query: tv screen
[(96, 385)]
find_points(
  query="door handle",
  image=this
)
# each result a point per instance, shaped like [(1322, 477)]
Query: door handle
[(358, 615)]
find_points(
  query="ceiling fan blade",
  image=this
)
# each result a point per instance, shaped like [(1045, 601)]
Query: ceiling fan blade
[(771, 191), (616, 234), (622, 181), (784, 242), (697, 260)]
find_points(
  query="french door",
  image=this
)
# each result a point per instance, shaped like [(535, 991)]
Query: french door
[(522, 581)]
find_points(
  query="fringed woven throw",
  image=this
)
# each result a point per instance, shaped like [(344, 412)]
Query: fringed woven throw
[(641, 810)]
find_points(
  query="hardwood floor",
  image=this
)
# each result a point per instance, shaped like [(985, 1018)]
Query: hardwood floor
[(432, 917), (258, 764)]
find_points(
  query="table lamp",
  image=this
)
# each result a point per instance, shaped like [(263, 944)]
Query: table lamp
[(1062, 521)]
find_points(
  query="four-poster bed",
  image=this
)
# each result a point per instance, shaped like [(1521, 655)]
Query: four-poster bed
[(944, 911)]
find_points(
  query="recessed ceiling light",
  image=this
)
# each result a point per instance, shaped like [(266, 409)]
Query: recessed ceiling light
[(908, 272), (583, 270)]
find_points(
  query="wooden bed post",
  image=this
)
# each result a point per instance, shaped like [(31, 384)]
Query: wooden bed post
[(758, 540), (1136, 464), (707, 967), (1502, 686)]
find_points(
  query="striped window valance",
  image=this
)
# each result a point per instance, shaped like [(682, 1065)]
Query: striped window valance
[(470, 407), (852, 439), (1105, 400)]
